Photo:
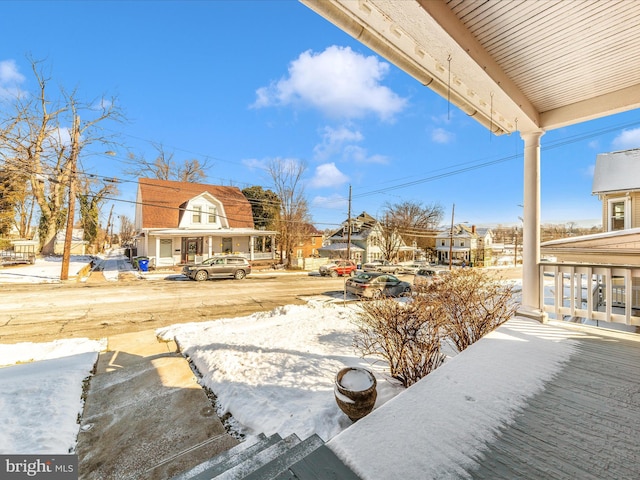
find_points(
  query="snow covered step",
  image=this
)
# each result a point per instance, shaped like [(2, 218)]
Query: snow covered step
[(321, 464), (282, 463), (257, 460), (225, 460)]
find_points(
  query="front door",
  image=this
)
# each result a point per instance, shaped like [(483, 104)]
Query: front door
[(192, 250), (227, 245)]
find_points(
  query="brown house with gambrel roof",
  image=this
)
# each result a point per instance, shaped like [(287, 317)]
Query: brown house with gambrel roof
[(183, 223)]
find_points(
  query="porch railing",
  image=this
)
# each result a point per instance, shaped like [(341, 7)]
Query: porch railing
[(591, 293)]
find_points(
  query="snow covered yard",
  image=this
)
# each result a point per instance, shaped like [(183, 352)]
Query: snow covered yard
[(41, 394), (275, 371), (44, 270)]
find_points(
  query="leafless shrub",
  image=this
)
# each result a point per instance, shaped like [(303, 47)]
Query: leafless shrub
[(469, 303), (406, 335)]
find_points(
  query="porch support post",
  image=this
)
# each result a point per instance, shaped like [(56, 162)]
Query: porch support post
[(531, 306), (156, 258)]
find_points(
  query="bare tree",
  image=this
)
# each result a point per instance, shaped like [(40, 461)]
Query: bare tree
[(294, 219), (410, 223), (39, 142), (165, 167), (91, 197), (127, 230), (16, 204)]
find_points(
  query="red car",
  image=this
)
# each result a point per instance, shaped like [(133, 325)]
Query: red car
[(339, 267)]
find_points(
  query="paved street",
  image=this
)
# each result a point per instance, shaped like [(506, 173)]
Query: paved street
[(100, 308)]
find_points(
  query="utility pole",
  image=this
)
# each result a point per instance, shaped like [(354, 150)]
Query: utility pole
[(515, 249), (453, 209), (349, 227), (71, 210), (109, 225)]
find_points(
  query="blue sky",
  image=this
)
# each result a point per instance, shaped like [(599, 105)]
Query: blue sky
[(239, 83)]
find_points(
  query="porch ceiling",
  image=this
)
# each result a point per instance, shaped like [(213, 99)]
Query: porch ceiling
[(511, 64)]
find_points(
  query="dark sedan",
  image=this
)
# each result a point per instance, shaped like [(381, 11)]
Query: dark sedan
[(377, 285)]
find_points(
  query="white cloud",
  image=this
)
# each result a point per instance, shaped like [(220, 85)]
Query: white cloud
[(328, 175), (254, 163), (333, 140), (440, 135), (335, 201), (358, 154), (627, 139), (10, 80), (339, 82), (9, 73)]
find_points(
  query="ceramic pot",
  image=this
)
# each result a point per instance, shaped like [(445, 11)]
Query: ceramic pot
[(355, 391)]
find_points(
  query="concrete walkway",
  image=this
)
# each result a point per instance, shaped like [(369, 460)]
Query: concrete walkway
[(145, 415)]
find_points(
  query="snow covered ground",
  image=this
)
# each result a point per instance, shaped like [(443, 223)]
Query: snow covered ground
[(41, 394), (274, 371), (44, 270)]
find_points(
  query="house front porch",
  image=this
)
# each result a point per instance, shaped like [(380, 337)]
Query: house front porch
[(166, 248)]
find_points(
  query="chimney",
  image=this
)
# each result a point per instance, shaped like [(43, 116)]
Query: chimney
[(473, 229)]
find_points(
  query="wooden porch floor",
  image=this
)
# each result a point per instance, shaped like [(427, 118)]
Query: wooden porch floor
[(584, 425)]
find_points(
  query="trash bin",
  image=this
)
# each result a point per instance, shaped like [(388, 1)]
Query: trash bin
[(143, 264)]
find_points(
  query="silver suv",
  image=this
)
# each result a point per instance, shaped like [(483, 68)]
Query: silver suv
[(221, 266)]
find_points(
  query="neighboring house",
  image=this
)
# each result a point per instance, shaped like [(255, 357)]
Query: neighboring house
[(308, 248), (184, 223), (306, 254), (469, 245), (78, 244), (606, 264), (616, 182), (366, 238)]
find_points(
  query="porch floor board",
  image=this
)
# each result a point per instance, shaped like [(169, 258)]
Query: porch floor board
[(585, 424)]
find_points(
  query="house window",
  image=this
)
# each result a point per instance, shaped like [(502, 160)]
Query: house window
[(619, 214), (166, 248), (442, 243), (213, 215), (196, 216), (313, 240)]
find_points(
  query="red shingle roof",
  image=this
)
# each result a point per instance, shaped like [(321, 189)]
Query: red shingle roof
[(161, 200)]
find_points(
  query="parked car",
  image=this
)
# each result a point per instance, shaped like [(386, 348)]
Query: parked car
[(372, 266), (429, 274), (382, 266), (411, 268), (221, 266), (377, 285), (338, 267)]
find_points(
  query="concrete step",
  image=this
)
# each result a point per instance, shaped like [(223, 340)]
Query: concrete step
[(281, 464), (259, 459), (226, 460), (320, 464)]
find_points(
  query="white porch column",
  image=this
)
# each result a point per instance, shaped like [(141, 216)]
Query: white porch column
[(251, 247), (531, 229), (210, 247), (157, 256)]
